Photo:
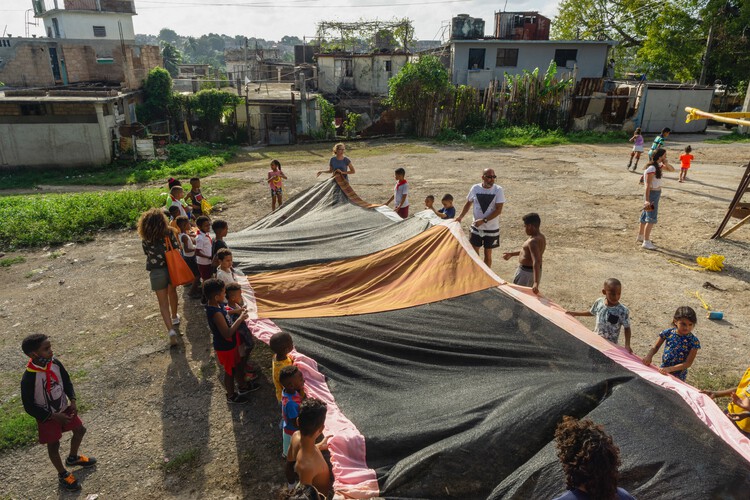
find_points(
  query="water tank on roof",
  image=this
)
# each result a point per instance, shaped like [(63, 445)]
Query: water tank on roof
[(465, 27)]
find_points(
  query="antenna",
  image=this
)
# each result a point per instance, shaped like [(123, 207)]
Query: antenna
[(505, 7)]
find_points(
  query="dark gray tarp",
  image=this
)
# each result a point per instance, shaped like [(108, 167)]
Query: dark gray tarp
[(460, 399), (321, 224)]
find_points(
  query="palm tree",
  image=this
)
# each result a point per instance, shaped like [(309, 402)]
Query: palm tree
[(172, 57)]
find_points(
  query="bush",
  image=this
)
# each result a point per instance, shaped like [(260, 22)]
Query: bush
[(530, 135), (37, 220)]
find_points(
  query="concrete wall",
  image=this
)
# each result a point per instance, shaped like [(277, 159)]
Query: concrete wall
[(591, 60), (666, 108), (25, 64), (327, 84), (370, 75), (80, 24)]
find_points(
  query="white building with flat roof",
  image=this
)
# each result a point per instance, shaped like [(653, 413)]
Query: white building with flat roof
[(87, 19)]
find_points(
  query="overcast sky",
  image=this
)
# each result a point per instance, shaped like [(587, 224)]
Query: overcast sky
[(272, 19)]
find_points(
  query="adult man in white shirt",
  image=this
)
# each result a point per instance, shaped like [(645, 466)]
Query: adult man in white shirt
[(487, 199)]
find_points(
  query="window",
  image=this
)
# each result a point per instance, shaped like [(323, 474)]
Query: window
[(476, 58), (100, 31), (507, 57), (33, 109), (562, 56), (388, 66), (348, 68)]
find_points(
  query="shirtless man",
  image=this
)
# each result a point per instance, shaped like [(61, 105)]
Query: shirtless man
[(311, 467), (529, 271)]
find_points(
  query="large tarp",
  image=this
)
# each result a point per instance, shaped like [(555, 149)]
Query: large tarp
[(455, 392), (323, 223)]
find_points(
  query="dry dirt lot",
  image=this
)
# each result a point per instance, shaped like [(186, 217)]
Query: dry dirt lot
[(157, 418)]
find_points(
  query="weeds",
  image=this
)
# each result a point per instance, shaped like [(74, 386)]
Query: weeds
[(532, 135), (187, 457), (732, 137), (708, 379), (39, 220), (17, 428), (9, 261)]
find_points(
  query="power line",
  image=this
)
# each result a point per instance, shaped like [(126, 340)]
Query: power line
[(306, 5)]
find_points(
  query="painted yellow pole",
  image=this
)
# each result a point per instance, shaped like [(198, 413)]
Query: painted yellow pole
[(738, 118)]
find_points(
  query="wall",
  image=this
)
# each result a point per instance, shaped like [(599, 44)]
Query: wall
[(80, 24), (326, 82), (25, 64), (75, 140), (666, 108), (370, 76), (591, 60)]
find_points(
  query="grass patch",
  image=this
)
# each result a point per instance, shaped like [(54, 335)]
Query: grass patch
[(732, 137), (187, 457), (37, 220), (511, 136), (17, 428), (185, 161), (708, 379), (9, 261)]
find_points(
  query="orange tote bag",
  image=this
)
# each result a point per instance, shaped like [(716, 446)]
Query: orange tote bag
[(179, 272)]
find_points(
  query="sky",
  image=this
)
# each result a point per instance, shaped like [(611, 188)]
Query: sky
[(272, 19)]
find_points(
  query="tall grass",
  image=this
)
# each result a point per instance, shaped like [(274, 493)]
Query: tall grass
[(37, 220), (531, 135), (734, 136)]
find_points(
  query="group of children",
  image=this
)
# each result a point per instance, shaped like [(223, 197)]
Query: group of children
[(686, 157)]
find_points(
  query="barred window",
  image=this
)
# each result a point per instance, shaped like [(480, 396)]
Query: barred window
[(100, 31), (506, 57)]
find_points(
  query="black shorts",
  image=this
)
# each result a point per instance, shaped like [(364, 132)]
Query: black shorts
[(192, 264), (486, 241)]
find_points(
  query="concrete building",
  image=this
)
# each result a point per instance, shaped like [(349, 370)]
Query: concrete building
[(87, 19), (59, 128), (477, 62), (361, 73)]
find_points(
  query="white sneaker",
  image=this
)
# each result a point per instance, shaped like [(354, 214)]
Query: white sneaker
[(176, 320), (172, 337), (639, 239), (648, 245)]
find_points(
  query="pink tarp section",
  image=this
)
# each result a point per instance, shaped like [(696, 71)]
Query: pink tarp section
[(353, 479)]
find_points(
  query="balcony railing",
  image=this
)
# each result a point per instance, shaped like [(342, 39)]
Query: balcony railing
[(122, 6)]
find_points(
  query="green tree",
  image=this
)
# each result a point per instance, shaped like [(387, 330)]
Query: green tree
[(419, 87), (157, 89), (169, 36), (211, 105), (172, 57)]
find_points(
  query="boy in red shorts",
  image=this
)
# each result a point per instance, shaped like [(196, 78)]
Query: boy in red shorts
[(48, 396)]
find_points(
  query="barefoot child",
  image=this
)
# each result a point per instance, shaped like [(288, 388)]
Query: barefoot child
[(48, 396), (400, 196), (529, 271), (276, 183), (311, 467), (685, 159), (291, 397), (226, 340), (291, 456), (447, 212), (681, 345), (610, 314), (637, 141)]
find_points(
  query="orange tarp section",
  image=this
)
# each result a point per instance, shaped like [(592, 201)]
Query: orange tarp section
[(350, 193), (430, 267)]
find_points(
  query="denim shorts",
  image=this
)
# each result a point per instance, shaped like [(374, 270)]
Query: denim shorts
[(159, 278), (650, 217)]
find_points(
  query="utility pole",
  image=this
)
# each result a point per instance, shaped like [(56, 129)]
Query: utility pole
[(709, 42)]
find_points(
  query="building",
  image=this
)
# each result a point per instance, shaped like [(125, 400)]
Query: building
[(521, 26), (477, 62), (62, 128), (89, 41), (258, 65), (360, 73)]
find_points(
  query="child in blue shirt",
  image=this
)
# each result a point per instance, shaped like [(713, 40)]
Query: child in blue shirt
[(681, 345), (291, 397), (447, 212)]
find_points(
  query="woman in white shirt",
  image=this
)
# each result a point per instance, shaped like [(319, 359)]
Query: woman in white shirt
[(652, 179)]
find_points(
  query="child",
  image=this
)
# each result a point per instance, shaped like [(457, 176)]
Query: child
[(281, 344), (529, 270), (685, 159), (188, 253), (291, 397), (610, 314), (447, 212), (275, 182), (225, 272), (226, 340), (738, 408), (637, 141), (174, 212), (659, 141), (195, 197), (400, 194), (175, 199), (172, 182), (682, 346), (291, 456), (221, 228), (48, 396), (203, 246), (311, 466), (236, 304)]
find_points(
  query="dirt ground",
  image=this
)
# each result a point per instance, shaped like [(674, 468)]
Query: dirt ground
[(147, 404)]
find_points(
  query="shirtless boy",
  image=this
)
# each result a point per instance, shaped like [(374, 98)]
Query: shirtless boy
[(311, 467), (529, 271)]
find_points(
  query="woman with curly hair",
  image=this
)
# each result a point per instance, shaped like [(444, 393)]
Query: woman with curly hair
[(590, 460), (153, 228)]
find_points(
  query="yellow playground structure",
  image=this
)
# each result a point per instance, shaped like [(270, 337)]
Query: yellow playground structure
[(734, 118)]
